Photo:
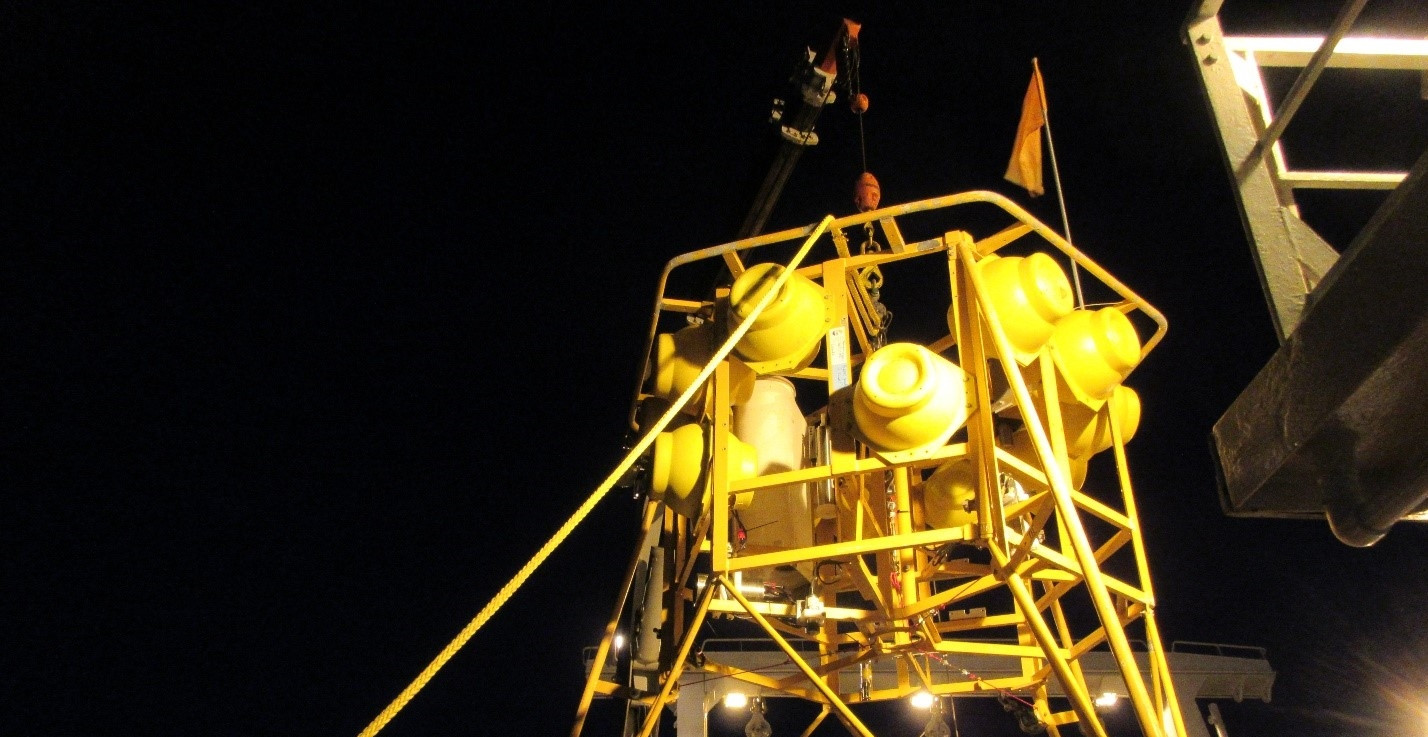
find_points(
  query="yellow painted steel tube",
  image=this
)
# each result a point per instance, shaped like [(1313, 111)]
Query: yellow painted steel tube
[(1075, 687), (719, 468), (981, 432), (905, 556), (872, 544), (965, 198), (1066, 507), (1152, 629), (823, 714), (672, 679), (603, 651), (1157, 653), (1017, 212), (845, 714), (1132, 516)]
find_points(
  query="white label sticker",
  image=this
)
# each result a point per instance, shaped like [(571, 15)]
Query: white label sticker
[(838, 357)]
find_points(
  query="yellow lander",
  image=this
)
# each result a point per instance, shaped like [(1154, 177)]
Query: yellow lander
[(867, 499)]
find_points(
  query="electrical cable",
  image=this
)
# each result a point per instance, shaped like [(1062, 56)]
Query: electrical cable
[(979, 679)]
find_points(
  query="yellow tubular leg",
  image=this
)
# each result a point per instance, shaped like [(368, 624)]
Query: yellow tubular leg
[(1152, 629), (603, 651), (1075, 688), (672, 678), (1149, 720), (823, 714), (844, 713)]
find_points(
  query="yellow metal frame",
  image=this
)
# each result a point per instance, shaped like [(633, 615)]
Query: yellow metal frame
[(1046, 573)]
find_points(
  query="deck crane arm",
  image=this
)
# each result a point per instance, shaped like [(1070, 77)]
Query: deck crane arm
[(815, 84)]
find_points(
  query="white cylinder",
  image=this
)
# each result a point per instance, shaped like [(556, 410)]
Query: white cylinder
[(772, 423)]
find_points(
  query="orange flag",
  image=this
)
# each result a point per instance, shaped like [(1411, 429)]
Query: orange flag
[(1025, 165)]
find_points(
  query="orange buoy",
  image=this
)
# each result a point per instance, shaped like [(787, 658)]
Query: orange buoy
[(859, 103), (867, 192)]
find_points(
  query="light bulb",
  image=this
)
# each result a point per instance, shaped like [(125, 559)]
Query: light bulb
[(757, 726), (735, 700), (936, 728)]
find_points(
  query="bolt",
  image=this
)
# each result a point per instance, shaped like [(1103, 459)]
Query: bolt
[(1210, 60)]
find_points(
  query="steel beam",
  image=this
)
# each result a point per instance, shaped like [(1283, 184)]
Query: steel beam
[(1291, 257), (1350, 53), (1334, 422)]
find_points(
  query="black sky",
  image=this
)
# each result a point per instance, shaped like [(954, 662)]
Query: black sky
[(320, 320)]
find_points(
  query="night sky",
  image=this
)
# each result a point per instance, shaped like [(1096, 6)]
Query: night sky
[(320, 320)]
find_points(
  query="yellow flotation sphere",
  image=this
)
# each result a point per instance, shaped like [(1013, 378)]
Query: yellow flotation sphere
[(680, 356), (677, 474), (1088, 431), (1078, 470), (1029, 295), (907, 397), (950, 493), (790, 328), (1023, 449), (1094, 352), (1125, 405)]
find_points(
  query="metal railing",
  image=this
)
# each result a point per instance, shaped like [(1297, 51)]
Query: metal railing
[(1221, 649), (755, 644)]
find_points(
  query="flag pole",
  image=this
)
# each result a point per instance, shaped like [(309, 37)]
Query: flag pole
[(1056, 176)]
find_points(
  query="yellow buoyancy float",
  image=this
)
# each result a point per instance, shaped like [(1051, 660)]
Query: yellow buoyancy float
[(1094, 352), (680, 458), (1024, 450), (1030, 294), (1088, 431), (908, 397), (790, 329), (948, 495), (680, 356)]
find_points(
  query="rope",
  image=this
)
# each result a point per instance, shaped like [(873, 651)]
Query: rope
[(495, 604), (507, 591)]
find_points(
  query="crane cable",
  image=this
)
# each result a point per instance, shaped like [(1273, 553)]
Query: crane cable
[(857, 101), (507, 591), (867, 194)]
